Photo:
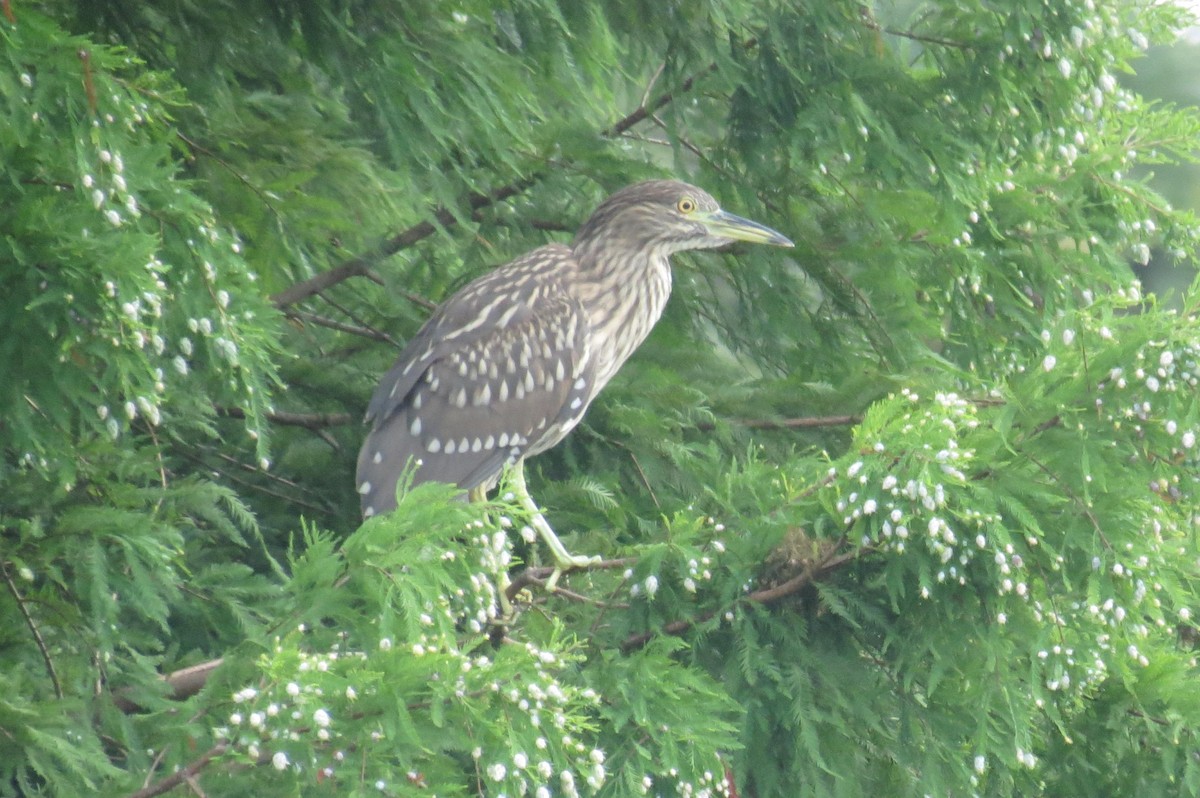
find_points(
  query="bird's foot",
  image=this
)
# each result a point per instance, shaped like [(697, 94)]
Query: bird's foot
[(568, 562), (564, 560)]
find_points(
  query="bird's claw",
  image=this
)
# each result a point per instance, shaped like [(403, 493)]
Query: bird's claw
[(571, 562)]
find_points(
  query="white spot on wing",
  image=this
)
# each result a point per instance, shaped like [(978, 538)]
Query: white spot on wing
[(502, 441), (364, 488), (489, 442), (378, 458), (434, 446), (575, 403), (415, 429), (368, 512), (451, 446), (477, 445)]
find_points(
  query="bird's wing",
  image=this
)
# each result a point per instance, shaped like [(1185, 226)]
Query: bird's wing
[(501, 364)]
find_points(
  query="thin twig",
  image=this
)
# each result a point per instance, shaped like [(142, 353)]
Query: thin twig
[(350, 314), (559, 590), (650, 85), (228, 167), (252, 485), (341, 326), (874, 25), (620, 587), (37, 635), (182, 776)]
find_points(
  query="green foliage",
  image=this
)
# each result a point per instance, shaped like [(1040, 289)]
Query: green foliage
[(909, 510)]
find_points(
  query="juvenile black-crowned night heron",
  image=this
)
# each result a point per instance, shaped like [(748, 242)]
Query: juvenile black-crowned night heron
[(507, 366)]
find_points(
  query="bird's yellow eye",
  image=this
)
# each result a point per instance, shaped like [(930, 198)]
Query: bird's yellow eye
[(686, 205)]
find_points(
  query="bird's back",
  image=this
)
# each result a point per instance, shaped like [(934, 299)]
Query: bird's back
[(500, 371)]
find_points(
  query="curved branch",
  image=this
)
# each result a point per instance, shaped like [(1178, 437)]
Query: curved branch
[(181, 776), (33, 629), (765, 596), (361, 265), (184, 683)]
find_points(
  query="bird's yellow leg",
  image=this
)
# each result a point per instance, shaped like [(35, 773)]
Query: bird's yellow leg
[(563, 560)]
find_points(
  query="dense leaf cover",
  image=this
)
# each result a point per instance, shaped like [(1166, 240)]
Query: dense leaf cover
[(908, 510)]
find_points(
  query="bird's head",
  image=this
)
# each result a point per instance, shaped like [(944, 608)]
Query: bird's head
[(665, 216)]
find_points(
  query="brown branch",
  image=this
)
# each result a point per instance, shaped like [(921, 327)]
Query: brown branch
[(361, 265), (184, 684), (809, 422), (644, 111), (803, 422), (183, 776), (314, 421), (872, 23), (567, 593), (765, 596), (442, 217), (37, 635)]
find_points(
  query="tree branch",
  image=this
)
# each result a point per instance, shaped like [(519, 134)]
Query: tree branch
[(37, 635), (803, 422), (361, 265), (536, 576), (313, 421), (184, 683), (765, 596), (340, 326), (181, 776), (809, 422)]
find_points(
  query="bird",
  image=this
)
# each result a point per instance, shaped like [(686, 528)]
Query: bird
[(509, 364)]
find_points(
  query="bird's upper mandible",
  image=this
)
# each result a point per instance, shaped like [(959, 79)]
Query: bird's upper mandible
[(508, 365)]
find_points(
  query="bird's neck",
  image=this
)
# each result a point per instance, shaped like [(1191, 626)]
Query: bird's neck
[(624, 298)]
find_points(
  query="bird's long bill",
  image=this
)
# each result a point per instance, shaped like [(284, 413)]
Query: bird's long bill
[(726, 225)]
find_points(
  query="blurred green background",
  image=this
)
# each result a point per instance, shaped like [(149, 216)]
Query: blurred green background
[(1172, 75)]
